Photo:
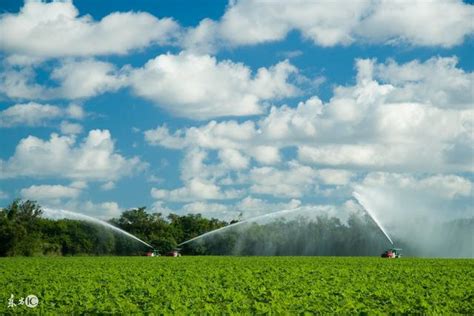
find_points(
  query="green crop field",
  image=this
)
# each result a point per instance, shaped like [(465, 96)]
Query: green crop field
[(237, 284)]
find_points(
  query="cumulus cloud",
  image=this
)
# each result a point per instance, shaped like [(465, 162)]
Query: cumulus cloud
[(186, 85), (387, 121), (441, 186), (370, 126), (294, 182), (200, 87), (108, 186), (55, 29), (35, 114), (67, 197), (102, 210), (74, 79), (363, 126), (248, 22), (377, 125), (194, 190), (94, 158), (242, 138), (86, 78), (437, 81), (203, 180), (20, 84), (233, 159), (334, 176), (443, 23), (70, 128), (49, 192), (213, 135)]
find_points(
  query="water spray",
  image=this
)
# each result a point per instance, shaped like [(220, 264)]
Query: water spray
[(364, 205), (253, 219), (79, 216)]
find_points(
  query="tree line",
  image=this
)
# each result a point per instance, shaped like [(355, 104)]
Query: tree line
[(24, 231)]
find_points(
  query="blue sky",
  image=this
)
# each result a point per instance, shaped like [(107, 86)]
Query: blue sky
[(237, 108)]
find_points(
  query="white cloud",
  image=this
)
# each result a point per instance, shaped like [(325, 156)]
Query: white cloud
[(233, 159), (20, 84), (203, 38), (328, 23), (86, 78), (226, 135), (437, 81), (94, 158), (194, 166), (334, 176), (437, 186), (34, 114), (443, 23), (295, 181), (265, 154), (28, 114), (102, 210), (363, 156), (73, 79), (214, 135), (160, 207), (78, 184), (202, 180), (194, 190), (70, 128), (371, 125), (55, 29), (200, 87), (75, 111), (108, 186), (49, 192), (299, 123), (374, 126)]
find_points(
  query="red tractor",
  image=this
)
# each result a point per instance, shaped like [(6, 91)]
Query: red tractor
[(173, 253), (392, 253), (153, 253)]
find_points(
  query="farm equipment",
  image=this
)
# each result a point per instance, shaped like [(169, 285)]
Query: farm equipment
[(153, 253), (392, 253), (174, 253)]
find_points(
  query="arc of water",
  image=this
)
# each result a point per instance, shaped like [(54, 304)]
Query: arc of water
[(361, 201), (74, 215), (253, 219)]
